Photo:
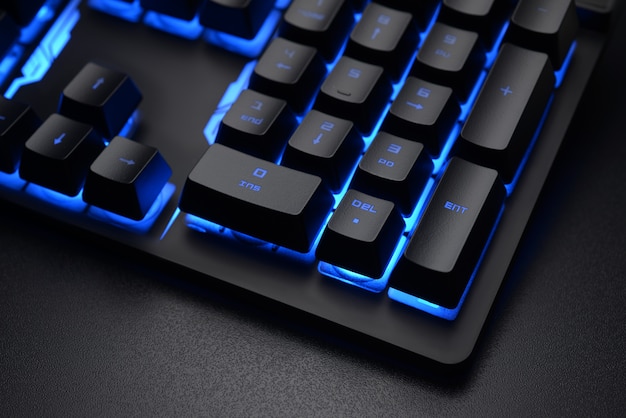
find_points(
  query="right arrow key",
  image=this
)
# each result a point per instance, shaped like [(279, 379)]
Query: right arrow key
[(126, 178)]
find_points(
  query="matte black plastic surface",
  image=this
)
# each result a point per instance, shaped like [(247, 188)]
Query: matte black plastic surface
[(87, 332)]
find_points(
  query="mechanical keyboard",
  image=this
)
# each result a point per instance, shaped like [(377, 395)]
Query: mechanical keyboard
[(369, 164)]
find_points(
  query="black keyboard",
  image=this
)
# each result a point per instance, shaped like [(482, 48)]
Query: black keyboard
[(369, 164)]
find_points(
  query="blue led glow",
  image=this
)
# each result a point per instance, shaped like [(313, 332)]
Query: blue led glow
[(140, 226), (128, 11), (245, 47), (11, 181), (202, 225), (560, 74), (48, 50), (359, 280), (39, 22), (227, 100), (434, 309), (183, 28), (131, 125), (70, 203)]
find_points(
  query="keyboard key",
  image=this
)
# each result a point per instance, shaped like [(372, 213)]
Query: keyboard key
[(22, 11), (289, 71), (322, 24), (255, 197), (356, 91), (394, 169), (18, 122), (449, 239), (257, 124), (101, 97), (517, 90), (58, 154), (325, 146), (180, 9), (422, 10), (384, 37), (486, 17), (361, 235), (452, 57), (550, 27), (242, 18), (126, 178), (423, 112)]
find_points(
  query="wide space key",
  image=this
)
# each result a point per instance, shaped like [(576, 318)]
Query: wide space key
[(446, 246), (253, 196)]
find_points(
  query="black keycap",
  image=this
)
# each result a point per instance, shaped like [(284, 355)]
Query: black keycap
[(385, 37), (550, 27), (422, 10), (357, 91), (508, 110), (180, 9), (242, 18), (126, 178), (18, 121), (423, 112), (101, 97), (361, 235), (58, 154), (9, 32), (452, 57), (22, 11), (257, 124), (322, 24), (289, 71), (267, 201), (326, 146), (449, 239), (486, 17), (394, 169)]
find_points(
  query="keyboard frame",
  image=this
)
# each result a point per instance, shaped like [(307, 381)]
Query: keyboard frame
[(285, 282)]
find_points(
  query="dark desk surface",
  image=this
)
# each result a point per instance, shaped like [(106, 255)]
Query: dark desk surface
[(85, 332)]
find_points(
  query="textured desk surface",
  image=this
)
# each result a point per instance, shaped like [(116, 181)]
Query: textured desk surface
[(85, 332)]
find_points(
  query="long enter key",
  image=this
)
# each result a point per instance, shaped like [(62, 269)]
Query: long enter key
[(508, 110), (445, 248)]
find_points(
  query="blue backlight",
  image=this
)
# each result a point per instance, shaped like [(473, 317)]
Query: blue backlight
[(185, 29), (48, 50), (142, 225), (246, 47), (124, 10)]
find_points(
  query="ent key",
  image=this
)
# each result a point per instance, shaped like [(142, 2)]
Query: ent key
[(446, 245)]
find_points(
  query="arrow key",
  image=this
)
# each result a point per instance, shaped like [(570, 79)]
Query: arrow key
[(58, 154), (101, 97), (423, 112), (126, 178)]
